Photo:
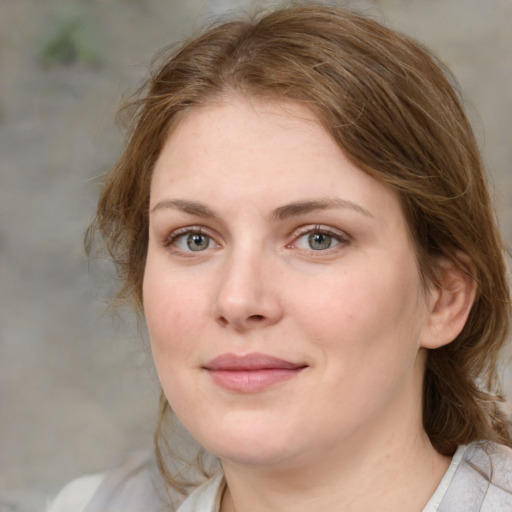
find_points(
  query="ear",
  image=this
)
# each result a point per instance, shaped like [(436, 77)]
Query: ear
[(451, 299)]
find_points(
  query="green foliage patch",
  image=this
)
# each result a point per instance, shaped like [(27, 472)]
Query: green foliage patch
[(71, 38)]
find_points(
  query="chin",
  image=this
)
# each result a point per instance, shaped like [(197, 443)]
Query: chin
[(254, 455), (257, 447), (275, 455)]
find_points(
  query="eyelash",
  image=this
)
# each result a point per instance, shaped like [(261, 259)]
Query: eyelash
[(341, 238), (176, 235)]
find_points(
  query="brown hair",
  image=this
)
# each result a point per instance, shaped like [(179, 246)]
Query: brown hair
[(393, 109)]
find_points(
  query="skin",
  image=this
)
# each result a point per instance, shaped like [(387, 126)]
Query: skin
[(344, 430)]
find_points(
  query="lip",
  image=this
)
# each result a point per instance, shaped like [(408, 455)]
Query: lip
[(251, 373)]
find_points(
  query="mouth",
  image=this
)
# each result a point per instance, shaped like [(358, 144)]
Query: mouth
[(252, 372)]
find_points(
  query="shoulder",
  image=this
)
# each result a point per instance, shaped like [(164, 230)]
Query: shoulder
[(75, 495), (494, 461), (207, 497), (136, 486), (483, 478)]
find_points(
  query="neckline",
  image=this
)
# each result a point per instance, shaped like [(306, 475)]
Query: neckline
[(440, 492), (208, 496)]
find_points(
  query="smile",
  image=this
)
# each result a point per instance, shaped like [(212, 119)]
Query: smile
[(251, 373)]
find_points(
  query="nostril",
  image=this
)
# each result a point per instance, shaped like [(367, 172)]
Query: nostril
[(256, 318)]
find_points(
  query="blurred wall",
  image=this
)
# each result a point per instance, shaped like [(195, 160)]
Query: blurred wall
[(76, 384)]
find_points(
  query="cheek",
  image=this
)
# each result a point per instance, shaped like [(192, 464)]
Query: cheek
[(173, 318), (367, 328), (364, 311), (335, 304), (174, 312)]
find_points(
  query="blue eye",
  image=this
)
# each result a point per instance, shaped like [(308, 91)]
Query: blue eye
[(317, 240), (320, 241), (198, 242), (192, 241)]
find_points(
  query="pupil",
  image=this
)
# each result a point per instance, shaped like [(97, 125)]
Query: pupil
[(197, 242), (319, 241)]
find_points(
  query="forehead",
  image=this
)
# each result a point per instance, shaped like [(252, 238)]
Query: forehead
[(267, 151), (242, 122)]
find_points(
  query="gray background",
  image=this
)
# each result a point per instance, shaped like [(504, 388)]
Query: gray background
[(76, 384)]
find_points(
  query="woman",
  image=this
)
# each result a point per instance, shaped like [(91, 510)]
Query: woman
[(302, 216)]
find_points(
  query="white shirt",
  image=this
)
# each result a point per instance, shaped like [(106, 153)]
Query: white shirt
[(479, 479)]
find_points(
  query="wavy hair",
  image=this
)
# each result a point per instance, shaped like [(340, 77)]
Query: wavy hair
[(394, 110)]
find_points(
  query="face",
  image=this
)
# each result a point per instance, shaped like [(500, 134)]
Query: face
[(281, 290)]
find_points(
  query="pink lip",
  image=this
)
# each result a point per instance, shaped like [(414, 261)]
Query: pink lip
[(251, 372)]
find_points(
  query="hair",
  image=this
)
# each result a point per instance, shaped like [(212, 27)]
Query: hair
[(394, 110)]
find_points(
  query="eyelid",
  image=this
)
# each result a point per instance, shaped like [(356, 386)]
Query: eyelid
[(176, 234), (342, 237)]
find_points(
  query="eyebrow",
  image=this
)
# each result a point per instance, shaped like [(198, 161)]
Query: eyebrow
[(191, 207), (294, 209), (304, 207)]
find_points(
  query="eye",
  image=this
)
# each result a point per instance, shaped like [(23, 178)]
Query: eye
[(197, 241), (319, 239), (190, 241)]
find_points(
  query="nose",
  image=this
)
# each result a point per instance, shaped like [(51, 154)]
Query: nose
[(247, 295)]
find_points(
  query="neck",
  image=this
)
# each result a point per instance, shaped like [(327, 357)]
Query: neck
[(363, 483)]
